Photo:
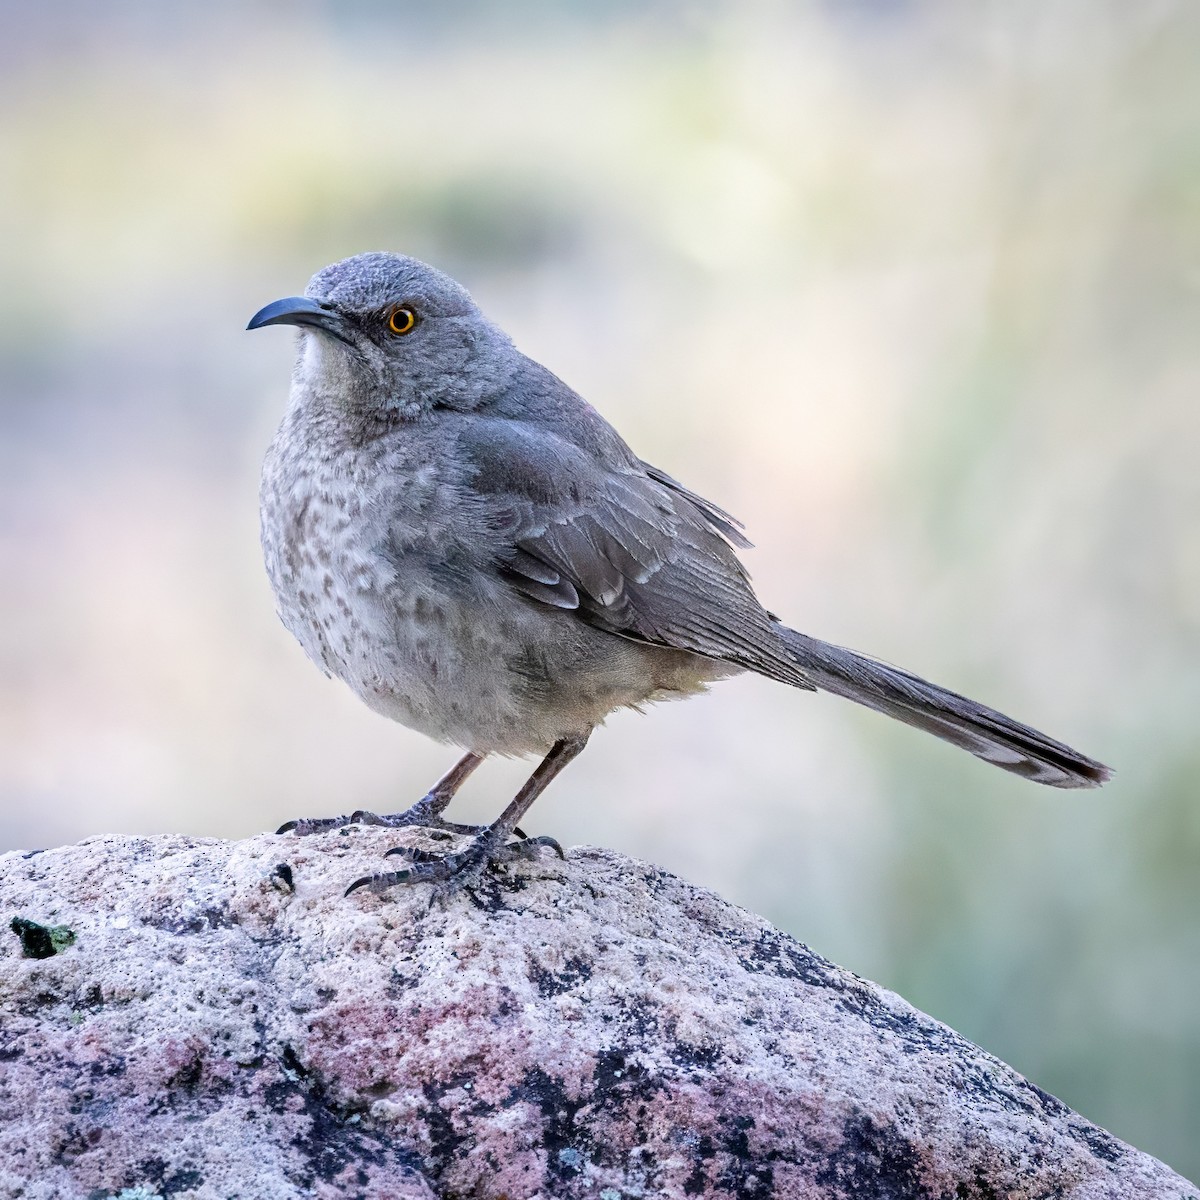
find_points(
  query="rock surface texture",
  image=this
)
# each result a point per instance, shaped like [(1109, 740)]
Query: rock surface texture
[(591, 1028)]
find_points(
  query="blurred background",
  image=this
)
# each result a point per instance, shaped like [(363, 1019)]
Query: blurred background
[(912, 288)]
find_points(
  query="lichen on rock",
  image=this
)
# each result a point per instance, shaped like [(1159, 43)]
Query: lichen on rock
[(41, 941)]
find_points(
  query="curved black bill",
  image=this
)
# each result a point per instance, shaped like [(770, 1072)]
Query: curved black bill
[(300, 310)]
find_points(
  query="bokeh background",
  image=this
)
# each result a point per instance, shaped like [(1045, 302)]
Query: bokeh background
[(913, 288)]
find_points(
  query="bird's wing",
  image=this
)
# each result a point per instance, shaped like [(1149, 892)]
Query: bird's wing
[(620, 544), (728, 526)]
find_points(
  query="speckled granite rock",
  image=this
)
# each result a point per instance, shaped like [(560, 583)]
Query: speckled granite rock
[(592, 1028)]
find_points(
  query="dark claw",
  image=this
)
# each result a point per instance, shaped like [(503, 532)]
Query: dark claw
[(309, 825), (529, 846), (413, 854), (365, 881), (360, 816), (369, 881), (434, 871)]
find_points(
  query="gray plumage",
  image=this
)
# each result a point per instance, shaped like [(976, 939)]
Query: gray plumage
[(465, 542)]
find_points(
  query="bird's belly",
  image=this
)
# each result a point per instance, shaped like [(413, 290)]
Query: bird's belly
[(494, 678), (487, 671), (440, 667)]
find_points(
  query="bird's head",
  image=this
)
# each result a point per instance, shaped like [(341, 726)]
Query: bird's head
[(388, 333)]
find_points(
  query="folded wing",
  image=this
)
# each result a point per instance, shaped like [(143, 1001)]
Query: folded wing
[(622, 545)]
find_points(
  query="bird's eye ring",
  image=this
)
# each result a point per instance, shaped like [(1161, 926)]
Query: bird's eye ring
[(402, 319)]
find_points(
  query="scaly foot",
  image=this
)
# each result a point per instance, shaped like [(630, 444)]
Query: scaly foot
[(427, 812), (422, 813), (458, 868)]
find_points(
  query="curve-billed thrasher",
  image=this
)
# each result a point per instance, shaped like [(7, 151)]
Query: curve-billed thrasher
[(470, 546)]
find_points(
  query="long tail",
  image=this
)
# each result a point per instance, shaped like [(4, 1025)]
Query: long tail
[(982, 731)]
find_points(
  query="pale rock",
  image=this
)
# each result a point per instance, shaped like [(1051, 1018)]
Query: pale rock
[(593, 1028)]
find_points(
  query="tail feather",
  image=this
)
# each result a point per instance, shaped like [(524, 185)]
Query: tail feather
[(981, 731)]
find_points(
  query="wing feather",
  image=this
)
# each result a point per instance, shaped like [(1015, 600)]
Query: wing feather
[(622, 544)]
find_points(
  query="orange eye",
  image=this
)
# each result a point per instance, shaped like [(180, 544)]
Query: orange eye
[(402, 319)]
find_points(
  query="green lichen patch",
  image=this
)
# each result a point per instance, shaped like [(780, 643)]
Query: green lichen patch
[(41, 941)]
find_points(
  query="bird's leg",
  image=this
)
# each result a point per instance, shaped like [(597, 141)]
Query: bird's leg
[(427, 811), (491, 842)]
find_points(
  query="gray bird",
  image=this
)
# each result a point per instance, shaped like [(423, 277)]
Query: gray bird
[(464, 541)]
